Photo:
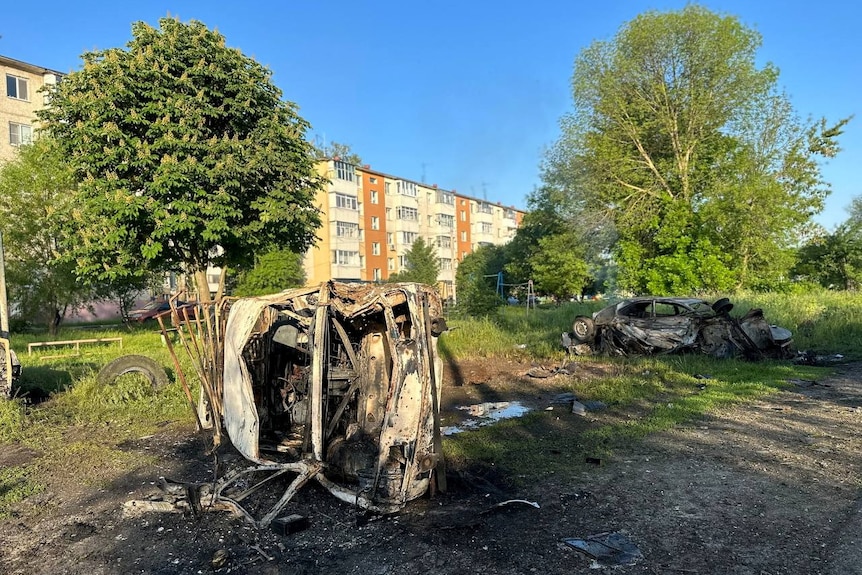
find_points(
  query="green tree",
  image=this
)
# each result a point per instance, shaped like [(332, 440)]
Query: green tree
[(834, 260), (559, 268), (186, 156), (336, 150), (476, 280), (693, 155), (273, 272), (421, 264), (36, 191), (543, 219)]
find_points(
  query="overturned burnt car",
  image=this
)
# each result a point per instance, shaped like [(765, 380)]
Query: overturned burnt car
[(656, 325), (338, 383)]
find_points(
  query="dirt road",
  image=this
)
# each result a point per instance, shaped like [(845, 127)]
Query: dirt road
[(767, 488)]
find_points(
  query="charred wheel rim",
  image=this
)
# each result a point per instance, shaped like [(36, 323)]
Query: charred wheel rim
[(583, 328)]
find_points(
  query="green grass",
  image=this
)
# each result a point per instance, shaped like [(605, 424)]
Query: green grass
[(16, 484), (82, 423), (644, 396), (79, 424)]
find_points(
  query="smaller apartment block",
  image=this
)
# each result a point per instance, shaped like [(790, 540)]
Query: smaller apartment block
[(371, 219), (21, 99)]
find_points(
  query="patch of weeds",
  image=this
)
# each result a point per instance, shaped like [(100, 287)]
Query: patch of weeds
[(16, 485), (644, 396), (13, 418)]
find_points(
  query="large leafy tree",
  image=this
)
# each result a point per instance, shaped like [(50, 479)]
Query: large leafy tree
[(421, 264), (186, 156), (835, 259), (687, 148), (36, 191), (559, 267), (273, 272)]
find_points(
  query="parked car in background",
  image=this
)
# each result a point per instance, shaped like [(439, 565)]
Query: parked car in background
[(653, 325), (160, 307)]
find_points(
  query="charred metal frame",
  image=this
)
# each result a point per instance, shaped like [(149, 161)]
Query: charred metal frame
[(344, 377)]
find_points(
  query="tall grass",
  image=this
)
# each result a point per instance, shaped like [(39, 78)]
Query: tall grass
[(824, 322)]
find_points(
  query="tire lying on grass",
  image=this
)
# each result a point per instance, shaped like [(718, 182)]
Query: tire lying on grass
[(142, 364)]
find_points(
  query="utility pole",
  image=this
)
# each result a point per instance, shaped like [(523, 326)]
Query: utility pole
[(5, 347)]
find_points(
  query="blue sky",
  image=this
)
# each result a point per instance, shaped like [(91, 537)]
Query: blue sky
[(466, 95)]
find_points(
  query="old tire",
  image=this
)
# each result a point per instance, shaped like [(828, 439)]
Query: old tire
[(583, 329), (142, 364), (722, 306)]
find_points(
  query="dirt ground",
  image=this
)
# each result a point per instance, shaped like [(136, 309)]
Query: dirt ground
[(766, 488)]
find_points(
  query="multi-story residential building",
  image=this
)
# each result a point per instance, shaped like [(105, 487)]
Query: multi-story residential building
[(20, 101), (371, 220)]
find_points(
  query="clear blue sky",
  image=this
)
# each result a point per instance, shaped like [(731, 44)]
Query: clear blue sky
[(465, 94)]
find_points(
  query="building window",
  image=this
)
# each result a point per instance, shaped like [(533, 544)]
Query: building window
[(374, 198), (463, 235), (405, 213), (378, 274), (486, 208), (375, 223), (510, 214), (463, 215), (20, 134), (16, 87), (389, 238), (402, 261), (487, 228), (407, 189), (346, 230), (344, 171), (388, 213), (372, 180), (445, 263), (387, 187), (409, 237), (346, 202), (390, 263), (445, 221), (445, 198), (444, 242), (375, 248), (344, 257)]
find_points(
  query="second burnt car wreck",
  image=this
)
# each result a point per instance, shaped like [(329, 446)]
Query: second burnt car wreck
[(339, 384), (657, 325)]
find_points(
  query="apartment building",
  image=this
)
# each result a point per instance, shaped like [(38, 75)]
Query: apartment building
[(371, 219), (20, 101)]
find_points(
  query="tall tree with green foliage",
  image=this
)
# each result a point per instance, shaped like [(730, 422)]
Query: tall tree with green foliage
[(186, 156), (559, 267), (273, 271), (476, 280), (834, 260), (36, 195), (687, 147), (421, 264)]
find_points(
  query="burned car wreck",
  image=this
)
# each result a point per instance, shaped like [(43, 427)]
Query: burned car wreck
[(656, 325), (338, 383)]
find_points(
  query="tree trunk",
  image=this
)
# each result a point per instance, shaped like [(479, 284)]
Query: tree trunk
[(203, 286)]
